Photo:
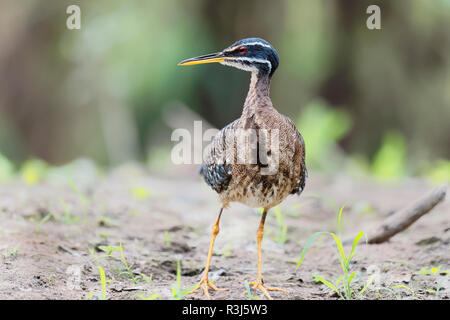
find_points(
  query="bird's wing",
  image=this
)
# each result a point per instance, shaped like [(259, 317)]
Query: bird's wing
[(299, 156), (215, 169)]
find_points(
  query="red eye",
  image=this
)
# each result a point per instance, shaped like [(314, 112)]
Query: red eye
[(242, 50)]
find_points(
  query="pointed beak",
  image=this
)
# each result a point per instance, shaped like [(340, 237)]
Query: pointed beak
[(209, 58)]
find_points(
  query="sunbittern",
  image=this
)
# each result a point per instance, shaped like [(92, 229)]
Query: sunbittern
[(251, 182)]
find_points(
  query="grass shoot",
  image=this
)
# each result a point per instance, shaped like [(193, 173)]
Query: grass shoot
[(343, 285), (177, 292), (148, 280)]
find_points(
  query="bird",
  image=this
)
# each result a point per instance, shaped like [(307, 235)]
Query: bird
[(260, 173)]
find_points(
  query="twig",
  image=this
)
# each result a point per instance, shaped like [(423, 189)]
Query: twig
[(402, 219)]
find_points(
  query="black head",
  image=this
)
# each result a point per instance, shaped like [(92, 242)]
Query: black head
[(251, 54)]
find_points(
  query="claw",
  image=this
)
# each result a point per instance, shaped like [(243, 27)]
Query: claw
[(259, 284), (204, 284)]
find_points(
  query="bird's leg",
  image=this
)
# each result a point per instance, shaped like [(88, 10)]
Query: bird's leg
[(204, 282), (259, 283)]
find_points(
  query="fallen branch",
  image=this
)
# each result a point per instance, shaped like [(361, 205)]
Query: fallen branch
[(402, 219)]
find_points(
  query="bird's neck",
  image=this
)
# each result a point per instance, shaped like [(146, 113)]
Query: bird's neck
[(258, 94)]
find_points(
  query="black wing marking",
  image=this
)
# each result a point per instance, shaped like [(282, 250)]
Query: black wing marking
[(216, 176), (215, 171), (301, 182)]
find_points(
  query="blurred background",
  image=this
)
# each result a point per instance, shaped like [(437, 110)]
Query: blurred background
[(368, 102)]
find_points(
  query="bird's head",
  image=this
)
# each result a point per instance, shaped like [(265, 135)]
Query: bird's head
[(252, 54)]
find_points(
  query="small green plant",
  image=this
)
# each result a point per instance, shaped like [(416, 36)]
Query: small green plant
[(177, 292), (413, 294), (343, 285), (148, 280), (103, 281), (128, 268), (435, 271), (11, 253), (167, 236), (83, 199), (249, 292), (39, 224), (281, 236), (432, 271), (438, 287), (68, 218), (140, 193), (50, 278)]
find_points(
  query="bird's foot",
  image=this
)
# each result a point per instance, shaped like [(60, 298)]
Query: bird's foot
[(259, 284), (204, 284)]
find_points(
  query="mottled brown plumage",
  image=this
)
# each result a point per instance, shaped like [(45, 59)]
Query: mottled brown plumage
[(264, 171), (244, 182)]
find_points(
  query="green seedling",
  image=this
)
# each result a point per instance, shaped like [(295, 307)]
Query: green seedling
[(39, 224), (343, 285), (140, 193), (128, 268), (281, 236), (294, 210), (103, 285), (413, 294), (281, 233), (83, 199), (67, 213), (438, 287), (432, 271), (177, 292), (104, 235), (11, 253), (148, 280), (50, 278), (167, 236), (249, 292)]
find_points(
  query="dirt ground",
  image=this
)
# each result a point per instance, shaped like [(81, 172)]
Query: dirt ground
[(160, 221)]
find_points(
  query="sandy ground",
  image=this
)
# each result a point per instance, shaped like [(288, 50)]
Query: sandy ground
[(160, 221)]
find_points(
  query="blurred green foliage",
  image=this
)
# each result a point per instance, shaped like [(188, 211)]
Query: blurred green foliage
[(6, 169), (439, 171), (33, 171), (390, 159), (322, 128)]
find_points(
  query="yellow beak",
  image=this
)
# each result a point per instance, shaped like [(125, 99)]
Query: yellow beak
[(209, 58)]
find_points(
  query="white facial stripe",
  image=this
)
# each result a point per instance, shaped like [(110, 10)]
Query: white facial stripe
[(253, 60), (248, 44), (257, 43), (239, 66)]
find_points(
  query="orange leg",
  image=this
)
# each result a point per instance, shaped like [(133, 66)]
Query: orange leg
[(259, 283), (204, 282)]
